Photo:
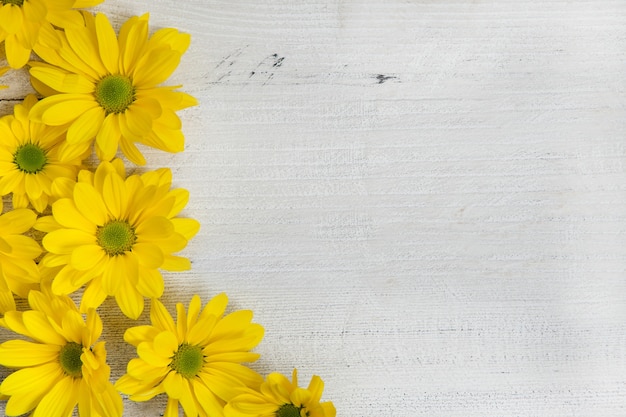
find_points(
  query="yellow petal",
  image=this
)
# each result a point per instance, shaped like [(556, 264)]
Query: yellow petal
[(138, 120), (7, 302), (82, 4), (67, 215), (186, 227), (65, 280), (129, 300), (299, 397), (147, 353), (86, 126), (34, 11), (165, 344), (118, 269), (23, 247), (115, 195), (175, 263), (10, 182), (173, 385), (107, 44), (171, 409), (150, 282), (329, 409), (154, 228), (67, 111), (20, 353), (61, 81), (210, 404), (60, 400), (4, 246), (11, 17), (187, 400), (64, 241), (155, 67), (149, 375), (108, 137), (148, 255), (171, 38), (215, 307), (138, 334), (93, 296), (27, 386), (132, 39), (160, 317), (87, 257), (17, 54), (90, 203), (40, 328), (131, 152), (181, 198), (17, 221)]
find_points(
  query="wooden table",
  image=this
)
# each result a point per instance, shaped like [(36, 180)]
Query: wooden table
[(423, 201)]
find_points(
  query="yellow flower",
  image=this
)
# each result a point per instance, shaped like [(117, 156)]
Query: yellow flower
[(28, 158), (61, 366), (25, 23), (18, 271), (195, 361), (278, 397), (107, 87), (114, 234)]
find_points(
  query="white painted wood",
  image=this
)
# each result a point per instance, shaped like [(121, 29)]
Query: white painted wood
[(422, 201)]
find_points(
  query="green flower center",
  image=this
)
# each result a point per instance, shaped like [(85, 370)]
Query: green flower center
[(30, 158), (187, 360), (115, 93), (16, 2), (289, 410), (116, 237), (69, 357)]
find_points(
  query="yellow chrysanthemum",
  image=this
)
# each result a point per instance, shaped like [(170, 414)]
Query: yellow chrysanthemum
[(195, 361), (26, 23), (28, 158), (18, 271), (61, 366), (107, 88), (114, 234), (279, 397)]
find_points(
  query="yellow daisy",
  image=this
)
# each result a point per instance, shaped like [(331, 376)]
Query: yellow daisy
[(18, 271), (107, 87), (196, 361), (114, 233), (25, 23), (62, 364), (28, 158), (279, 397)]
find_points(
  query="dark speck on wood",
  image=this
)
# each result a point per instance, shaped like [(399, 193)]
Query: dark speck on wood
[(382, 78), (279, 61)]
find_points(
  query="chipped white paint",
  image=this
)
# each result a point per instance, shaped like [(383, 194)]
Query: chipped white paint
[(422, 201)]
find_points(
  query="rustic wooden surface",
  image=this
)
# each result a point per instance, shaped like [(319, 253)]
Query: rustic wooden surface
[(422, 201)]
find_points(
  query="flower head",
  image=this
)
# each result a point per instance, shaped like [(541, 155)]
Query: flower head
[(195, 361), (279, 397), (61, 366), (18, 271), (28, 158), (114, 233), (107, 87), (26, 23)]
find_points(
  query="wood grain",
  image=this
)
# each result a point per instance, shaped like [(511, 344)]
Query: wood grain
[(422, 201)]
